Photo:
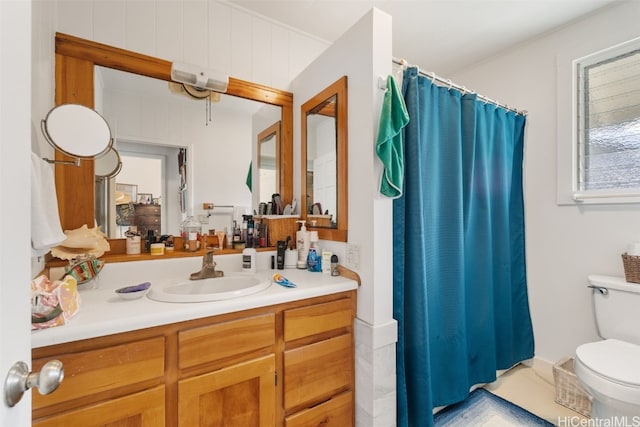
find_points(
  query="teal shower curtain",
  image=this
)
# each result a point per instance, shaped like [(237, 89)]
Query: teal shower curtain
[(460, 290)]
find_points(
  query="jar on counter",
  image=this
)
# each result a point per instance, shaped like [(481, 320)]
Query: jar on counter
[(191, 231)]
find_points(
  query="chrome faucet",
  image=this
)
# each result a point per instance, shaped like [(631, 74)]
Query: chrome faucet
[(208, 268)]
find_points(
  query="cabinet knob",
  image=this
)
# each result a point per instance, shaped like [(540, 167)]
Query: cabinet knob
[(19, 380)]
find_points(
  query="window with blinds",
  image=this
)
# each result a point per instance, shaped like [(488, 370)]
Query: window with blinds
[(608, 131)]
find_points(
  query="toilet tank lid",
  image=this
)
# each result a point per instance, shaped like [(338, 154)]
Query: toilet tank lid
[(613, 282), (614, 359)]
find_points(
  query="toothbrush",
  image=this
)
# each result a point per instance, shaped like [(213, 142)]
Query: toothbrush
[(283, 281)]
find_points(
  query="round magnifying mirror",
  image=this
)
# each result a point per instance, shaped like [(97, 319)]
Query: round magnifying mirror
[(108, 165), (77, 131)]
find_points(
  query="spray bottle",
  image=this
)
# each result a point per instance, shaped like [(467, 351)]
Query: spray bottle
[(302, 244)]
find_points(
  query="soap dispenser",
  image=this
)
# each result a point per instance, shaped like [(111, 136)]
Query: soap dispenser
[(302, 244)]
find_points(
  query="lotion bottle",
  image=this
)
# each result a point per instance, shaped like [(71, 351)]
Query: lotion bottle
[(302, 244), (249, 260)]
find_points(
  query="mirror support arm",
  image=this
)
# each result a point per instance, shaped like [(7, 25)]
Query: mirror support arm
[(75, 162)]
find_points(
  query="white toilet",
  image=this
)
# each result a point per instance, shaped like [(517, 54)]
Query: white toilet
[(610, 369)]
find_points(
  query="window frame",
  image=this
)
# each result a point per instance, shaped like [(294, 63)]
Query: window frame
[(607, 196)]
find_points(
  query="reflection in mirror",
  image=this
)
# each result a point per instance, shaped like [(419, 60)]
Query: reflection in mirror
[(268, 158), (153, 120), (321, 164), (324, 156)]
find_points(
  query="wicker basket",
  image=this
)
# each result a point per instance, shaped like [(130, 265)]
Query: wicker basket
[(569, 392), (631, 267)]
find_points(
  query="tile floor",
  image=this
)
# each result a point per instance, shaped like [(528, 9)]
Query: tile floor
[(534, 391)]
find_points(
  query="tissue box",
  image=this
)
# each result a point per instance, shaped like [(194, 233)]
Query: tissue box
[(631, 265)]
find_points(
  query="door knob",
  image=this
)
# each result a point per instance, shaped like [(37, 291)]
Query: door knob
[(19, 380)]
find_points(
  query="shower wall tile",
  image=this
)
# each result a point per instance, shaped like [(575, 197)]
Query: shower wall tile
[(375, 379)]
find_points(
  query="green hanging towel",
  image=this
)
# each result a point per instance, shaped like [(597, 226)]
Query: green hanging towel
[(249, 177), (389, 144)]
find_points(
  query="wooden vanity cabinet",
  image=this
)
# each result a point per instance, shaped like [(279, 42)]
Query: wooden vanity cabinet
[(285, 365)]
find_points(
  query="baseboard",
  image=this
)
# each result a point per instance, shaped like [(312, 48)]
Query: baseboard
[(542, 368)]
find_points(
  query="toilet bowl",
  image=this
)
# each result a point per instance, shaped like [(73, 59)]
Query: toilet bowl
[(609, 370)]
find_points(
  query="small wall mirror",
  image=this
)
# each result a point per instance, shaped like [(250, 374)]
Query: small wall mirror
[(324, 160), (77, 131), (268, 150), (108, 165)]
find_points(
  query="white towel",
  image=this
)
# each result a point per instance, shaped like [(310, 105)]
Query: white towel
[(46, 231)]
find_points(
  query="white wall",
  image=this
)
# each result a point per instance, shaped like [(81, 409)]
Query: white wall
[(363, 54), (564, 243)]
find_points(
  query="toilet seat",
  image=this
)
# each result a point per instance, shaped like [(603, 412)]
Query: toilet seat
[(613, 359), (611, 367)]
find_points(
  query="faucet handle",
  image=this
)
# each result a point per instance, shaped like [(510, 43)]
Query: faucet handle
[(207, 259)]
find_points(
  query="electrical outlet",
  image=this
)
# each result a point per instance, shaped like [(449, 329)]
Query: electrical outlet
[(353, 256)]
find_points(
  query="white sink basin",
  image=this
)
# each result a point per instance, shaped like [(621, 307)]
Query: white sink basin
[(232, 285)]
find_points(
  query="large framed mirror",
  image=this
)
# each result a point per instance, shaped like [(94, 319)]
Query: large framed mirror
[(79, 61), (324, 203)]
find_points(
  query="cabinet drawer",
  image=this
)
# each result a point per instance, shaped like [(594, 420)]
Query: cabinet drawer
[(316, 371), (88, 373), (215, 342), (147, 209), (306, 321), (147, 220), (144, 409), (335, 412)]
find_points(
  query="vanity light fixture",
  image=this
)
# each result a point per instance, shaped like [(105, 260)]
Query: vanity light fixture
[(199, 77)]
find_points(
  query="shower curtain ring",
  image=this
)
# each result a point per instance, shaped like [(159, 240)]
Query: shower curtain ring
[(433, 77), (450, 84)]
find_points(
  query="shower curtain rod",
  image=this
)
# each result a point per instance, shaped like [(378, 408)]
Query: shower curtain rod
[(434, 77)]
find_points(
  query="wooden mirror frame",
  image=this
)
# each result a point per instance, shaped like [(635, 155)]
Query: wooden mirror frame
[(74, 79), (338, 89)]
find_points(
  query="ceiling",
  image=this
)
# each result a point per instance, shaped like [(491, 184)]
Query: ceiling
[(442, 36)]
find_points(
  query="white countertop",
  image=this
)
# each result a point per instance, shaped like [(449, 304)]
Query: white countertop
[(102, 312)]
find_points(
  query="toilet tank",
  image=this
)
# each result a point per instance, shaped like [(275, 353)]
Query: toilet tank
[(616, 305)]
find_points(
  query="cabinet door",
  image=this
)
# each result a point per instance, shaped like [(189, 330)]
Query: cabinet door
[(241, 395), (144, 409)]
